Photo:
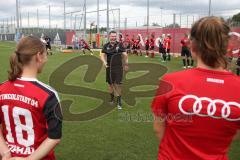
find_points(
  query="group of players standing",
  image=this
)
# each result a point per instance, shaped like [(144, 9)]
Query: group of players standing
[(133, 45), (163, 42)]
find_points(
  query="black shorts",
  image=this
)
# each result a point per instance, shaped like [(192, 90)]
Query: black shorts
[(152, 48), (147, 47), (114, 75), (161, 50), (168, 51), (48, 46), (185, 52), (136, 47)]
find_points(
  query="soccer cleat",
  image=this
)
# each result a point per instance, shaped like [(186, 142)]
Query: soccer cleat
[(184, 67), (119, 103), (119, 107), (91, 53), (146, 56)]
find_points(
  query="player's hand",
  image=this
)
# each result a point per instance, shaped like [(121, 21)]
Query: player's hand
[(6, 156), (126, 68), (105, 65)]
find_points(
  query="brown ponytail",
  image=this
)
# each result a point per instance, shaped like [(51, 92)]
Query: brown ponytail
[(15, 68), (25, 50), (210, 37)]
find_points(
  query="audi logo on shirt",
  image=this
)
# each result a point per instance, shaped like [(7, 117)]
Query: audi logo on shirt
[(204, 106)]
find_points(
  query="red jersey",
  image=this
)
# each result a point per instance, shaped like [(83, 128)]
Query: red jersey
[(167, 43), (147, 42), (185, 42), (152, 42), (202, 116), (29, 113), (136, 43), (132, 42), (85, 45), (128, 40)]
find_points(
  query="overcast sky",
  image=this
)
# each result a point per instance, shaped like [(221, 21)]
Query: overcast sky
[(161, 11)]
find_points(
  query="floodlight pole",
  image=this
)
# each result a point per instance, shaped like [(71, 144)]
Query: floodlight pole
[(11, 22), (37, 20), (49, 17), (107, 16), (75, 23), (85, 18), (119, 19), (28, 20), (147, 15), (180, 20), (98, 16), (17, 15), (161, 8), (64, 14), (20, 18), (71, 22), (125, 24), (14, 21), (210, 8)]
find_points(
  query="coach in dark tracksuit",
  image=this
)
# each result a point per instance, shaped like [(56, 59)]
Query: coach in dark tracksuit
[(115, 60)]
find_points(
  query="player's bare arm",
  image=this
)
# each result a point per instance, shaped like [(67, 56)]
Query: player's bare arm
[(125, 60), (4, 151), (46, 146), (159, 127), (103, 58)]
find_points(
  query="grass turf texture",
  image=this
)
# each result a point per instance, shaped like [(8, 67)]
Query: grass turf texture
[(113, 136)]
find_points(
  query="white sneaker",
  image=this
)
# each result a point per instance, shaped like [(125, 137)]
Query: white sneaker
[(119, 107), (91, 54), (163, 61), (189, 66), (184, 67), (146, 56)]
